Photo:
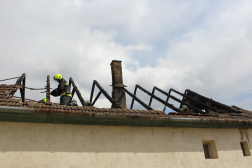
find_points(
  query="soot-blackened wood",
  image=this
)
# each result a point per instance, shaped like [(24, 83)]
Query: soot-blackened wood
[(112, 101), (167, 99), (188, 105), (190, 98), (104, 92), (133, 98), (18, 82), (77, 92), (183, 99), (21, 81), (22, 90), (92, 92), (138, 100), (48, 97), (158, 99), (98, 95), (153, 91), (214, 103)]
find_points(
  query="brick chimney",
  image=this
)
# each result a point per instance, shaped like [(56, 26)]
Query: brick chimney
[(117, 84)]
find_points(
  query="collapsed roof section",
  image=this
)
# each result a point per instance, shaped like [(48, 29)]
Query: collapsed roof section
[(210, 106)]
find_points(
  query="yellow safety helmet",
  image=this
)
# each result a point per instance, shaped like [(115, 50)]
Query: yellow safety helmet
[(58, 77), (44, 99)]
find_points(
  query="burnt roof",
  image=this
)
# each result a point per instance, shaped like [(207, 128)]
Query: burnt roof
[(6, 100)]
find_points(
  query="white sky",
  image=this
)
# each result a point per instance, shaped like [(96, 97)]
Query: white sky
[(201, 45)]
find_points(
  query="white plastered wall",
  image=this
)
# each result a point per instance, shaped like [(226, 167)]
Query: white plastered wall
[(65, 145)]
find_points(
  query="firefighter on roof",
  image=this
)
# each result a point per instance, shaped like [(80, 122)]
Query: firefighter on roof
[(63, 90)]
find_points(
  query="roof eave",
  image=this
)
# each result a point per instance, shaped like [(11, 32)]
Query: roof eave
[(19, 114)]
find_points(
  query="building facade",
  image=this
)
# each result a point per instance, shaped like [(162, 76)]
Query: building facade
[(72, 145), (46, 134)]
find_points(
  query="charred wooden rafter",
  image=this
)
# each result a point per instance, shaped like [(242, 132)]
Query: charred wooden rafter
[(155, 97), (180, 101), (134, 97), (48, 88), (95, 83), (21, 81), (75, 89)]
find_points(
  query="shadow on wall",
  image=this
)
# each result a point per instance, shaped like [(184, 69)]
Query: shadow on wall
[(86, 138)]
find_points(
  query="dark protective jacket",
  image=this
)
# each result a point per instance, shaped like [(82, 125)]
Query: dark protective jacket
[(63, 89)]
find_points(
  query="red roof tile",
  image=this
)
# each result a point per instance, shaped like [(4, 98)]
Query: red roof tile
[(6, 99)]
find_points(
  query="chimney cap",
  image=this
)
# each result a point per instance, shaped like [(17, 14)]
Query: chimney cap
[(115, 61)]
